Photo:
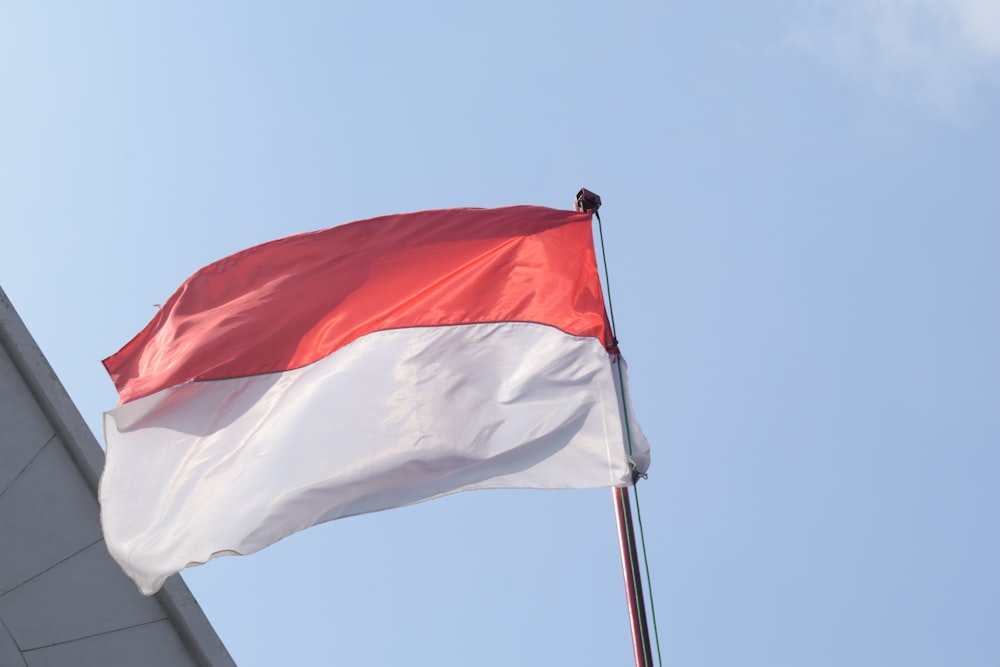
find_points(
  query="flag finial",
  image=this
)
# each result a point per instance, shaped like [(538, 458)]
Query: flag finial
[(587, 201)]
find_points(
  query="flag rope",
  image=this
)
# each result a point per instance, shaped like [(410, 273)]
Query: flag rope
[(628, 440), (614, 335), (649, 580)]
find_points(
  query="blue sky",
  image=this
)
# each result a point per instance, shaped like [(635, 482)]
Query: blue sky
[(802, 220)]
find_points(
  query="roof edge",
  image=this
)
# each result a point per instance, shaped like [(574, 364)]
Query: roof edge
[(175, 597)]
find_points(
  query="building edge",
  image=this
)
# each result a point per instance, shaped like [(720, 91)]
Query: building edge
[(175, 597)]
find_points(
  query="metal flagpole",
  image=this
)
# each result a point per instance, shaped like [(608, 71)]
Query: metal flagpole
[(588, 202), (633, 581)]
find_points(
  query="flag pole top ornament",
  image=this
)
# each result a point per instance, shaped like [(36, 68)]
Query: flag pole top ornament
[(587, 201)]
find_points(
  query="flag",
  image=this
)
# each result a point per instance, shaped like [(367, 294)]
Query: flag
[(359, 368)]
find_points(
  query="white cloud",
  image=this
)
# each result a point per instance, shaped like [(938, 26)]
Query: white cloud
[(980, 21), (933, 50)]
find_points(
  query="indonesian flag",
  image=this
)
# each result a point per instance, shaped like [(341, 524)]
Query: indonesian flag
[(368, 366)]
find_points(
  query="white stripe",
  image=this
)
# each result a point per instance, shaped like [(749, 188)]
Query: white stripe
[(395, 418)]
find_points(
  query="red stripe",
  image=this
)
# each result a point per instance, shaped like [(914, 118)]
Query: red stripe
[(288, 303)]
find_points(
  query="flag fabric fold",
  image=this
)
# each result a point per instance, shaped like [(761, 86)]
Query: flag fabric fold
[(360, 368)]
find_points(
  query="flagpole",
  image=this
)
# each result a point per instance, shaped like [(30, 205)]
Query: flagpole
[(633, 582), (588, 202)]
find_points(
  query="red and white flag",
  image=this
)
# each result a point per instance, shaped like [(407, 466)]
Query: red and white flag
[(368, 366)]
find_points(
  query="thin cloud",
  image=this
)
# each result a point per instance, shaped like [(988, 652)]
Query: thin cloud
[(937, 51)]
